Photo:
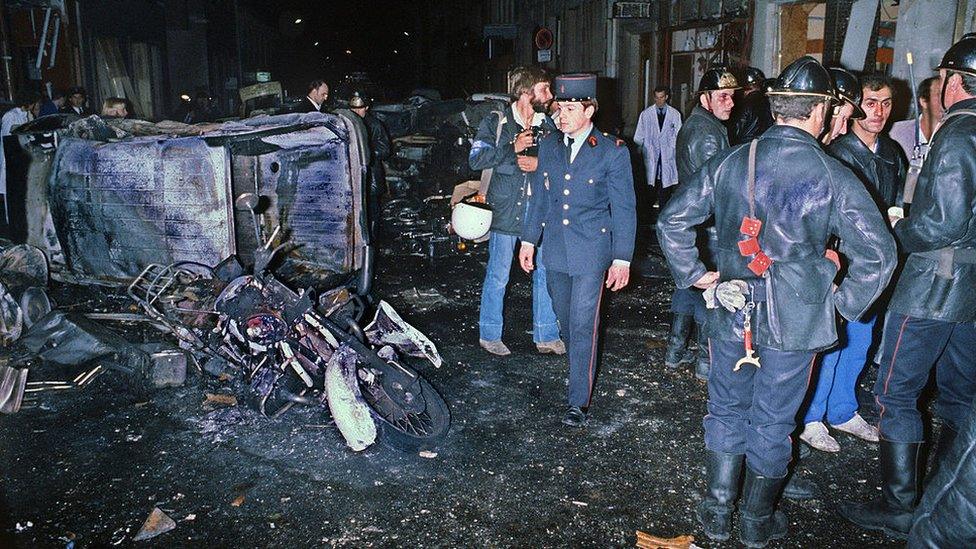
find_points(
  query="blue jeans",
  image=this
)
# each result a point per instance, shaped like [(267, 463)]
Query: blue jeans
[(501, 252), (839, 370)]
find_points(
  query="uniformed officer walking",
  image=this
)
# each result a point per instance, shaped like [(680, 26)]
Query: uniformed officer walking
[(777, 201), (701, 136), (582, 217), (933, 309)]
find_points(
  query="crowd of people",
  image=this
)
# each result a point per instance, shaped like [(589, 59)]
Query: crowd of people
[(804, 241)]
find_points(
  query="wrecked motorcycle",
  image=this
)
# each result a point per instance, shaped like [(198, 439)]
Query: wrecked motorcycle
[(293, 349)]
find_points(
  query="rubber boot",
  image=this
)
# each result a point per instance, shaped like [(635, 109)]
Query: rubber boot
[(703, 362), (798, 488), (676, 352), (714, 513), (892, 513), (759, 521)]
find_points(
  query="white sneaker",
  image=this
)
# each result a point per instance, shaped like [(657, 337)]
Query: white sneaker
[(859, 428), (816, 435)]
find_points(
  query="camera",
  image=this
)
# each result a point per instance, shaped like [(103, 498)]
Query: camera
[(537, 134)]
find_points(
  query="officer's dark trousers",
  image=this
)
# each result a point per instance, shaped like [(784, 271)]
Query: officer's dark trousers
[(576, 300), (912, 346), (753, 411), (689, 301)]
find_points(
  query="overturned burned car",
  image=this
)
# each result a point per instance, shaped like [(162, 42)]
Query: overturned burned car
[(197, 221)]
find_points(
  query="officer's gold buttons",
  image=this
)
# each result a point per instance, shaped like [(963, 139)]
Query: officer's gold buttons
[(603, 230), (545, 174), (566, 192), (590, 182), (565, 222), (565, 206), (568, 177)]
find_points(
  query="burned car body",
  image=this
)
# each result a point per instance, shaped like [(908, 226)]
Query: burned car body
[(118, 205)]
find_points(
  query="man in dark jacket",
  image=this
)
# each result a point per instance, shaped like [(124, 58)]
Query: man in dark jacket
[(507, 144), (772, 290), (751, 116), (317, 94), (877, 160), (583, 214), (379, 150), (932, 314), (701, 137)]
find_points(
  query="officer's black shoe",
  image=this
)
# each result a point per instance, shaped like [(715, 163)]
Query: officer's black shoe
[(714, 513), (676, 353), (575, 417), (891, 514), (704, 362), (759, 521), (798, 488)]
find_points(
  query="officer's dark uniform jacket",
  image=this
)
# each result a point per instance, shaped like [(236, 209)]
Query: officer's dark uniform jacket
[(883, 171), (803, 196), (750, 118), (700, 137), (507, 190), (941, 222), (584, 212)]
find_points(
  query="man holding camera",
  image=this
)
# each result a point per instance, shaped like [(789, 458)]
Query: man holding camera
[(506, 143)]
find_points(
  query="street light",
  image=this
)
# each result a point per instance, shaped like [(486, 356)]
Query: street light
[(316, 44), (405, 33), (348, 52), (298, 21)]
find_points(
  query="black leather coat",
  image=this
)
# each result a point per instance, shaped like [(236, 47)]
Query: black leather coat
[(943, 215), (802, 196), (944, 518), (883, 172), (750, 118), (700, 137)]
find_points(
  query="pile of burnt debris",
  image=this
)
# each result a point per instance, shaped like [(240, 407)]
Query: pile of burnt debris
[(238, 250)]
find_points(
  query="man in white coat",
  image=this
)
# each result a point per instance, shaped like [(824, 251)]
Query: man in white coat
[(657, 130)]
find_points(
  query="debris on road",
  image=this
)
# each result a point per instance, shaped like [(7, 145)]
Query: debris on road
[(647, 541), (157, 523)]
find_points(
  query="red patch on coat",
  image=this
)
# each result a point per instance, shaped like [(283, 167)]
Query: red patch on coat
[(592, 141)]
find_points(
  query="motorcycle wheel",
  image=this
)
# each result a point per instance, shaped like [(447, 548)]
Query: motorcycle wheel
[(410, 418)]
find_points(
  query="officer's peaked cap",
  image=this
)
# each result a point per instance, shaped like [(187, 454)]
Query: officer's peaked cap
[(848, 89), (805, 76), (961, 57), (575, 87)]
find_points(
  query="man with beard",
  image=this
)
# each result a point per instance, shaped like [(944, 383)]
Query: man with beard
[(777, 202), (507, 144), (701, 137), (583, 214), (876, 159), (932, 314)]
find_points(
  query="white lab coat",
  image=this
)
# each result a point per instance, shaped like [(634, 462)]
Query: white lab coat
[(659, 141)]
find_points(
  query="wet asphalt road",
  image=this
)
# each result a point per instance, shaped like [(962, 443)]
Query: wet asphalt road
[(89, 467)]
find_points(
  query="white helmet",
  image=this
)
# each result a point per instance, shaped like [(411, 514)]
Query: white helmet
[(471, 221)]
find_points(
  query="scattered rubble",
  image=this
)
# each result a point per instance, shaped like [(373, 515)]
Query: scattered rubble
[(156, 523)]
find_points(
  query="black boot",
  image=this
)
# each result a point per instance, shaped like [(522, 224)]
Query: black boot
[(715, 511), (677, 353), (892, 513), (703, 361), (759, 521), (798, 488)]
